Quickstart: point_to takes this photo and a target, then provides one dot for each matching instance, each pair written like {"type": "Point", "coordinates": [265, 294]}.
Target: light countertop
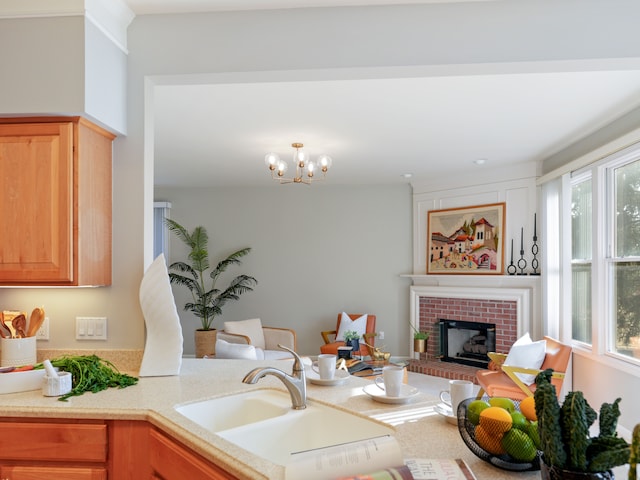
{"type": "Point", "coordinates": [420, 431]}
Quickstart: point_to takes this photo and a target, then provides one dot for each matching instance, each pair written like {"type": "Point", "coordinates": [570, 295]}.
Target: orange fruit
{"type": "Point", "coordinates": [491, 443]}
{"type": "Point", "coordinates": [528, 409]}
{"type": "Point", "coordinates": [495, 420]}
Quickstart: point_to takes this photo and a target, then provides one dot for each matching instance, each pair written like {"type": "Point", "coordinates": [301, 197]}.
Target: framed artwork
{"type": "Point", "coordinates": [466, 240]}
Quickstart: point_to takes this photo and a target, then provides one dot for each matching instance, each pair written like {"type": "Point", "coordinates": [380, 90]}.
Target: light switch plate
{"type": "Point", "coordinates": [91, 328]}
{"type": "Point", "coordinates": [43, 331]}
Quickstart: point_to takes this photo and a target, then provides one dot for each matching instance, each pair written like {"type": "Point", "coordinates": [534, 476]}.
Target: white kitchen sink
{"type": "Point", "coordinates": [223, 413]}
{"type": "Point", "coordinates": [263, 423]}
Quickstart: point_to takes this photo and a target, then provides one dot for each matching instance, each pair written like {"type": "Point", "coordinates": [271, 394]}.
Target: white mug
{"type": "Point", "coordinates": [325, 366]}
{"type": "Point", "coordinates": [459, 390]}
{"type": "Point", "coordinates": [391, 380]}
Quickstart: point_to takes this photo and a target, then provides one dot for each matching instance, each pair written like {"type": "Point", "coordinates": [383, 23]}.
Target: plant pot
{"type": "Point", "coordinates": [555, 473]}
{"type": "Point", "coordinates": [419, 345]}
{"type": "Point", "coordinates": [355, 346]}
{"type": "Point", "coordinates": [205, 341]}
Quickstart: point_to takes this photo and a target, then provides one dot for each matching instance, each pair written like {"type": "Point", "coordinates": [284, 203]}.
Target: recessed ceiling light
{"type": "Point", "coordinates": [480, 161]}
{"type": "Point", "coordinates": [407, 175]}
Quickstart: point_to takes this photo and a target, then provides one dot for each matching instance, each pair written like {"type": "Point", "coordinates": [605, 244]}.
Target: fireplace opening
{"type": "Point", "coordinates": [466, 342]}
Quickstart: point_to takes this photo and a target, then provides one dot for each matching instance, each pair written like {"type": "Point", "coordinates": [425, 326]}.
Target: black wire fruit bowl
{"type": "Point", "coordinates": [509, 446]}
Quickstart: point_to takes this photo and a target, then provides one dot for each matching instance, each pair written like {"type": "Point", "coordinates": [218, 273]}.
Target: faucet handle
{"type": "Point", "coordinates": [298, 366]}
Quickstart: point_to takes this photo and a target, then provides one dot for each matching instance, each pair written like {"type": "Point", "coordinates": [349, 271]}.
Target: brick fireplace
{"type": "Point", "coordinates": [510, 309]}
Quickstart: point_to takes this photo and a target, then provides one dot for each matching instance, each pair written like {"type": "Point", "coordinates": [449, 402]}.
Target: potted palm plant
{"type": "Point", "coordinates": [207, 299]}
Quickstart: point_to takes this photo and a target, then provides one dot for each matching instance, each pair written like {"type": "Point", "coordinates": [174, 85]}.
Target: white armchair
{"type": "Point", "coordinates": [237, 338]}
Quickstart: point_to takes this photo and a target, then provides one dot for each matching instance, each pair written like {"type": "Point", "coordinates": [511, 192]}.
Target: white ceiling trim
{"type": "Point", "coordinates": [142, 7]}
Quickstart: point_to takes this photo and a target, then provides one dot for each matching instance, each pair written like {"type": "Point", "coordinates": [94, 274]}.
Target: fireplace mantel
{"type": "Point", "coordinates": [518, 281]}
{"type": "Point", "coordinates": [523, 290]}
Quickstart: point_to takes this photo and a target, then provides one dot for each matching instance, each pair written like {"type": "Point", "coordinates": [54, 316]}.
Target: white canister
{"type": "Point", "coordinates": [18, 351]}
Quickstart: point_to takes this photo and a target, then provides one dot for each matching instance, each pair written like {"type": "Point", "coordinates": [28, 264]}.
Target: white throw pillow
{"type": "Point", "coordinates": [235, 350]}
{"type": "Point", "coordinates": [252, 328]}
{"type": "Point", "coordinates": [526, 354]}
{"type": "Point", "coordinates": [359, 325]}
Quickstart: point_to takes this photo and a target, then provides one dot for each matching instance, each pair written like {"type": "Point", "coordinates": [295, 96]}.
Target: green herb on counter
{"type": "Point", "coordinates": [90, 373]}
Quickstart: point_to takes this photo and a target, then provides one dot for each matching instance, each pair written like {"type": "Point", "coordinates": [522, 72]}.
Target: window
{"type": "Point", "coordinates": [625, 259]}
{"type": "Point", "coordinates": [605, 255]}
{"type": "Point", "coordinates": [581, 232]}
{"type": "Point", "coordinates": [161, 210]}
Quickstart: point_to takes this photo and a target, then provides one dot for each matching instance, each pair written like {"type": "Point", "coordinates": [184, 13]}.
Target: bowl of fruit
{"type": "Point", "coordinates": [501, 431]}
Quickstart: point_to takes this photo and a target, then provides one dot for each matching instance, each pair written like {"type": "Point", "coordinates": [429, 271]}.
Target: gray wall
{"type": "Point", "coordinates": [316, 251]}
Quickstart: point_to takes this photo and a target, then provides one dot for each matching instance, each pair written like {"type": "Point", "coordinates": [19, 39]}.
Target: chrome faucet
{"type": "Point", "coordinates": [296, 383]}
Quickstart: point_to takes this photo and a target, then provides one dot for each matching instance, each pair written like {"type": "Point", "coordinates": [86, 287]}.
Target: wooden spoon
{"type": "Point", "coordinates": [35, 321]}
{"type": "Point", "coordinates": [19, 324]}
{"type": "Point", "coordinates": [3, 326]}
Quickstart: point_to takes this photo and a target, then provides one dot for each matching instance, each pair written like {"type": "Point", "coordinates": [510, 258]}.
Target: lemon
{"type": "Point", "coordinates": [519, 445]}
{"type": "Point", "coordinates": [495, 420]}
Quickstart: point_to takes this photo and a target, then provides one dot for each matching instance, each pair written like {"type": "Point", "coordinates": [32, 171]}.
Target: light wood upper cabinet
{"type": "Point", "coordinates": [55, 202]}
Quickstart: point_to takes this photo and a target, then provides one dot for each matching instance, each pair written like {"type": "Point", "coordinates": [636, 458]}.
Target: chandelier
{"type": "Point", "coordinates": [305, 169]}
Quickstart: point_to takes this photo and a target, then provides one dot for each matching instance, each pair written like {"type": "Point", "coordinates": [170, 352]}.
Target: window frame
{"type": "Point", "coordinates": [603, 314]}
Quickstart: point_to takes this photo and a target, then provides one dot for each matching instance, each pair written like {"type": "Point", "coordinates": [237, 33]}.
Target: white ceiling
{"type": "Point", "coordinates": [376, 130]}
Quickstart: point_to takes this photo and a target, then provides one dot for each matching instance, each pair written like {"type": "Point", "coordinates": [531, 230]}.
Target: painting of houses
{"type": "Point", "coordinates": [467, 240]}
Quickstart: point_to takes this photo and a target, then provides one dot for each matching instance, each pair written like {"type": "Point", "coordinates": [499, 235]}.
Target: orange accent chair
{"type": "Point", "coordinates": [329, 336]}
{"type": "Point", "coordinates": [500, 380]}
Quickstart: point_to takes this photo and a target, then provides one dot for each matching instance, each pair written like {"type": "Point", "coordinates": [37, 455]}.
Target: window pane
{"type": "Point", "coordinates": [627, 307]}
{"type": "Point", "coordinates": [581, 214]}
{"type": "Point", "coordinates": [627, 218]}
{"type": "Point", "coordinates": [581, 303]}
{"type": "Point", "coordinates": [581, 230]}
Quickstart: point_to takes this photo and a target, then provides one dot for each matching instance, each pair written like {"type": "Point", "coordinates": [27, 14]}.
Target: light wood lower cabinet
{"type": "Point", "coordinates": [41, 450]}
{"type": "Point", "coordinates": [45, 449]}
{"type": "Point", "coordinates": [49, 473]}
{"type": "Point", "coordinates": [172, 461]}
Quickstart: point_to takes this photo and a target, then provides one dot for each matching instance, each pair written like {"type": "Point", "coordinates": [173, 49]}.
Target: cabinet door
{"type": "Point", "coordinates": [49, 473]}
{"type": "Point", "coordinates": [172, 461]}
{"type": "Point", "coordinates": [66, 441]}
{"type": "Point", "coordinates": [36, 202]}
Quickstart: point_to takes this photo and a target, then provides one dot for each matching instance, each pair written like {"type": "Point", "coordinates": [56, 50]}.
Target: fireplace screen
{"type": "Point", "coordinates": [466, 342]}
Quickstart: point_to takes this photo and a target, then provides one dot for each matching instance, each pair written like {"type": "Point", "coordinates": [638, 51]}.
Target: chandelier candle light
{"type": "Point", "coordinates": [305, 168]}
